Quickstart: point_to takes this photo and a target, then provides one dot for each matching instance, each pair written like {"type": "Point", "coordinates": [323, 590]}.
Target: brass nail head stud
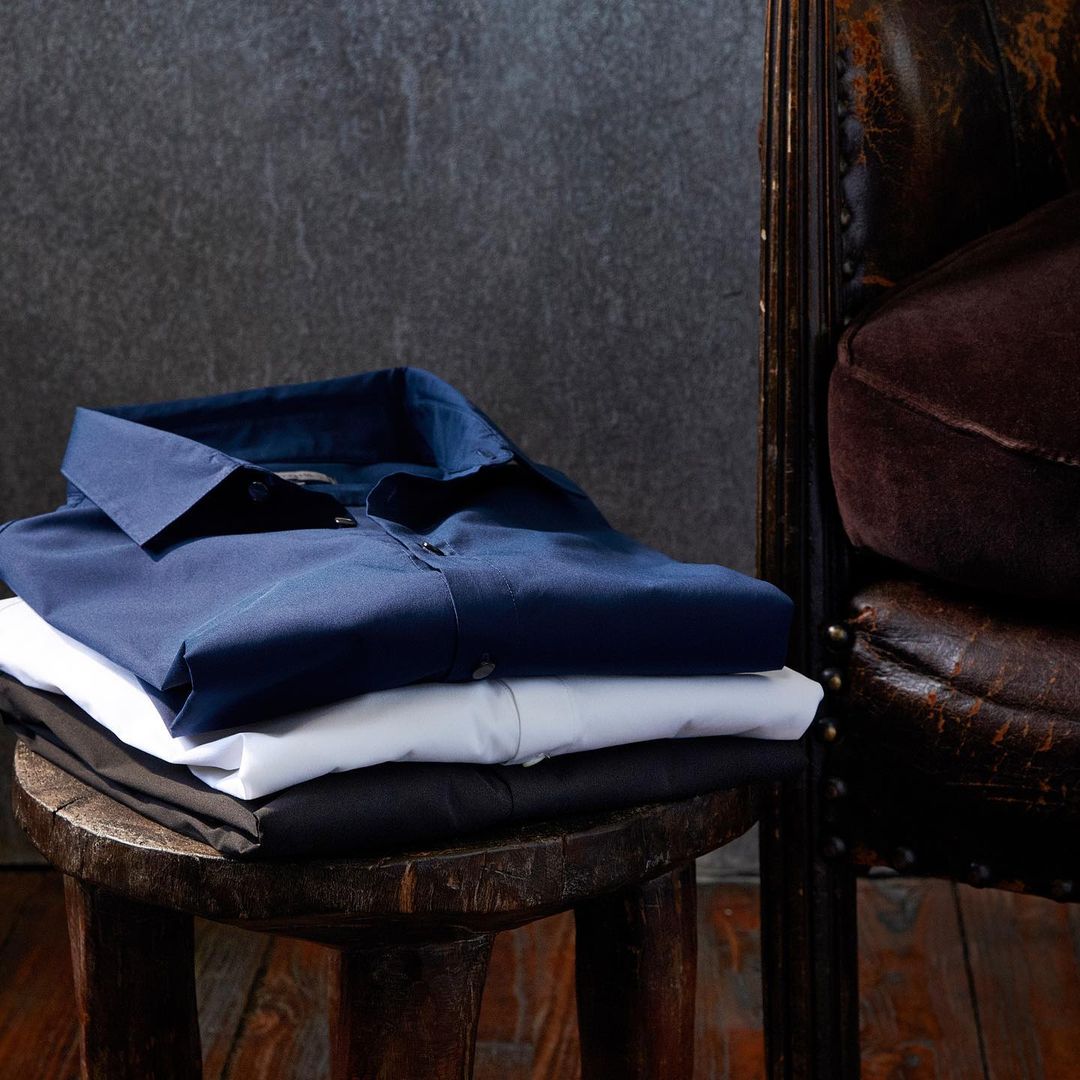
{"type": "Point", "coordinates": [903, 858]}
{"type": "Point", "coordinates": [832, 679]}
{"type": "Point", "coordinates": [834, 788]}
{"type": "Point", "coordinates": [833, 847]}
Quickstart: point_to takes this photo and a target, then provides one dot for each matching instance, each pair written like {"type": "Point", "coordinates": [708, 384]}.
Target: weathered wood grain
{"type": "Point", "coordinates": [485, 884]}
{"type": "Point", "coordinates": [811, 1003]}
{"type": "Point", "coordinates": [229, 965]}
{"type": "Point", "coordinates": [284, 1031]}
{"type": "Point", "coordinates": [15, 849]}
{"type": "Point", "coordinates": [1024, 955]}
{"type": "Point", "coordinates": [134, 969]}
{"type": "Point", "coordinates": [918, 1015]}
{"type": "Point", "coordinates": [527, 1019]}
{"type": "Point", "coordinates": [38, 1038]}
{"type": "Point", "coordinates": [412, 932]}
{"type": "Point", "coordinates": [408, 1010]}
{"type": "Point", "coordinates": [636, 980]}
{"type": "Point", "coordinates": [728, 1043]}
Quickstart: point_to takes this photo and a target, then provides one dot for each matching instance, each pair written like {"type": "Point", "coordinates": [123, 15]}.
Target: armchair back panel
{"type": "Point", "coordinates": [955, 117]}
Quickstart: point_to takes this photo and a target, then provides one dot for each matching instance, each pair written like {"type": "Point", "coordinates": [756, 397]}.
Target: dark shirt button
{"type": "Point", "coordinates": [484, 668]}
{"type": "Point", "coordinates": [258, 491]}
{"type": "Point", "coordinates": [345, 522]}
{"type": "Point", "coordinates": [432, 548]}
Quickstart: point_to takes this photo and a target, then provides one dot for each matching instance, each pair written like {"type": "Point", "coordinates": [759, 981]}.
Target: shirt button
{"type": "Point", "coordinates": [484, 668]}
{"type": "Point", "coordinates": [432, 548]}
{"type": "Point", "coordinates": [344, 521]}
{"type": "Point", "coordinates": [258, 491]}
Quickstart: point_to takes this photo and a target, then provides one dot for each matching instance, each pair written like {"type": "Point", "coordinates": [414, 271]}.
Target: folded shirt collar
{"type": "Point", "coordinates": [147, 465]}
{"type": "Point", "coordinates": [143, 478]}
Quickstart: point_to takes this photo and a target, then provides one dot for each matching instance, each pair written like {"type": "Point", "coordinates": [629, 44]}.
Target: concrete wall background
{"type": "Point", "coordinates": [550, 203]}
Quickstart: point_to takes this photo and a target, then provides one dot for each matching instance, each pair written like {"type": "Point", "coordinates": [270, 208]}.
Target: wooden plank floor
{"type": "Point", "coordinates": [956, 984]}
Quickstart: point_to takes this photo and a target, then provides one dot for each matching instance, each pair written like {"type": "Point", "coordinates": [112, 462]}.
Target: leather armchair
{"type": "Point", "coordinates": [896, 131]}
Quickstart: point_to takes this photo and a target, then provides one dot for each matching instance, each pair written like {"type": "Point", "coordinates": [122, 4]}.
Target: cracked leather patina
{"type": "Point", "coordinates": [954, 118]}
{"type": "Point", "coordinates": [965, 724]}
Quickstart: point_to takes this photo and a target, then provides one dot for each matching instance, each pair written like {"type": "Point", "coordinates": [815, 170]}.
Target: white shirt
{"type": "Point", "coordinates": [496, 721]}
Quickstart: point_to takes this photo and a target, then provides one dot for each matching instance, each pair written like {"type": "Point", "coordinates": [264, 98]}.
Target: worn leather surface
{"type": "Point", "coordinates": [964, 729]}
{"type": "Point", "coordinates": [959, 751]}
{"type": "Point", "coordinates": [953, 435]}
{"type": "Point", "coordinates": [955, 117]}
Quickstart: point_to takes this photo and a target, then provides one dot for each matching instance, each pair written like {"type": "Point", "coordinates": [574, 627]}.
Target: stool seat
{"type": "Point", "coordinates": [412, 929]}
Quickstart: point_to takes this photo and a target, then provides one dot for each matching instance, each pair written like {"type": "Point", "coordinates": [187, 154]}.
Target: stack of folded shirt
{"type": "Point", "coordinates": [326, 618]}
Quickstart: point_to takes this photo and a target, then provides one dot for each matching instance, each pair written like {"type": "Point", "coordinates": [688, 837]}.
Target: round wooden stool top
{"type": "Point", "coordinates": [412, 930]}
{"type": "Point", "coordinates": [486, 883]}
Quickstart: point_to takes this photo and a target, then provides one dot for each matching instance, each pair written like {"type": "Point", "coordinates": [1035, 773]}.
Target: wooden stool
{"type": "Point", "coordinates": [412, 931]}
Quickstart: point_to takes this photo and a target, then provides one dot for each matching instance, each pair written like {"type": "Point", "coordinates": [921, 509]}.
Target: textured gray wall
{"type": "Point", "coordinates": [551, 203]}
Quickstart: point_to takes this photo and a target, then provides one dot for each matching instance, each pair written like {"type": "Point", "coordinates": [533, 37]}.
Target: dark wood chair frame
{"type": "Point", "coordinates": [808, 899]}
{"type": "Point", "coordinates": [809, 861]}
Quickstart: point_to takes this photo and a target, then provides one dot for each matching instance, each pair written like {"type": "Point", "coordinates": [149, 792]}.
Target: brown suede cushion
{"type": "Point", "coordinates": [954, 414]}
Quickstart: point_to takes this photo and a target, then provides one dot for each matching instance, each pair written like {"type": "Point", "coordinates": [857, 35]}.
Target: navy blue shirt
{"type": "Point", "coordinates": [257, 553]}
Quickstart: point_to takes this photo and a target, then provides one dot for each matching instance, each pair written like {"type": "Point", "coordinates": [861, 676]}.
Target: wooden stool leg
{"type": "Point", "coordinates": [408, 1011]}
{"type": "Point", "coordinates": [134, 971]}
{"type": "Point", "coordinates": [636, 973]}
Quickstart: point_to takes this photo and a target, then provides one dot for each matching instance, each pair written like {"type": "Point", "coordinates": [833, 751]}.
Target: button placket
{"type": "Point", "coordinates": [484, 608]}
{"type": "Point", "coordinates": [487, 627]}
